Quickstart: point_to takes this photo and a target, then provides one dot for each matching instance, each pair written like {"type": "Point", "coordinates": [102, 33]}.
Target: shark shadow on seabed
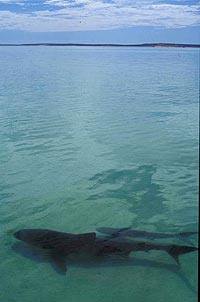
{"type": "Point", "coordinates": [41, 256]}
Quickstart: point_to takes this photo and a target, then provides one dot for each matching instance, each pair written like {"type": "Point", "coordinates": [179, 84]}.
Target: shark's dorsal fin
{"type": "Point", "coordinates": [119, 232]}
{"type": "Point", "coordinates": [87, 236]}
{"type": "Point", "coordinates": [113, 232]}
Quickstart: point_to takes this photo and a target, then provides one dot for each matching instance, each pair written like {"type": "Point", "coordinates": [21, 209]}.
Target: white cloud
{"type": "Point", "coordinates": [12, 1]}
{"type": "Point", "coordinates": [80, 15]}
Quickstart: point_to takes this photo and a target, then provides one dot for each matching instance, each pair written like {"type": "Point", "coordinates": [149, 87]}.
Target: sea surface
{"type": "Point", "coordinates": [98, 137]}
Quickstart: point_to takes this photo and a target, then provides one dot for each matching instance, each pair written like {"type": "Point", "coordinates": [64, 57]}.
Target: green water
{"type": "Point", "coordinates": [95, 137]}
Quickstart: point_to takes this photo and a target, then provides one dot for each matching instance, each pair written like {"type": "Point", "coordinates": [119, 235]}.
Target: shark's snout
{"type": "Point", "coordinates": [17, 235]}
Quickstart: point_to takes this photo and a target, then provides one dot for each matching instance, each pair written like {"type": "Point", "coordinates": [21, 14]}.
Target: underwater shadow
{"type": "Point", "coordinates": [41, 256]}
{"type": "Point", "coordinates": [134, 186]}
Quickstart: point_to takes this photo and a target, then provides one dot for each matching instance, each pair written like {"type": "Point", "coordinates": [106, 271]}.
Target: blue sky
{"type": "Point", "coordinates": [100, 21]}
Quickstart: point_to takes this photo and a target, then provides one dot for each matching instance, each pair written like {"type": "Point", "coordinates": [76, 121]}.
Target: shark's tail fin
{"type": "Point", "coordinates": [176, 250]}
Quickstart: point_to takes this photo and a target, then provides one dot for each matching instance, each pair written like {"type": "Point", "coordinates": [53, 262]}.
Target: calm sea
{"type": "Point", "coordinates": [98, 137]}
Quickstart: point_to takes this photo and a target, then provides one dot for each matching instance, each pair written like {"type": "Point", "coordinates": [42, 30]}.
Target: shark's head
{"type": "Point", "coordinates": [48, 239]}
{"type": "Point", "coordinates": [35, 237]}
{"type": "Point", "coordinates": [17, 235]}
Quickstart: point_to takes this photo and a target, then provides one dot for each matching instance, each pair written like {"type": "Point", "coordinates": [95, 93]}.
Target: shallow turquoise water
{"type": "Point", "coordinates": [93, 137]}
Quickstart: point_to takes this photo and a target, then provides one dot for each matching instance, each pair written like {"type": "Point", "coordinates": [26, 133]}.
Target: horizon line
{"type": "Point", "coordinates": [105, 44]}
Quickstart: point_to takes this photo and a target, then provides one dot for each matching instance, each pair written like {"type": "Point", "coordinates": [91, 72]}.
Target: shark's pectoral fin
{"type": "Point", "coordinates": [59, 263]}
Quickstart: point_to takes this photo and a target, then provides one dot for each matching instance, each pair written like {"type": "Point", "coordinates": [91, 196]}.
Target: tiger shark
{"type": "Point", "coordinates": [61, 245]}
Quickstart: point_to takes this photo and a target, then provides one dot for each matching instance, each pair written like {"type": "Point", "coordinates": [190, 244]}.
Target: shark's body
{"type": "Point", "coordinates": [128, 232]}
{"type": "Point", "coordinates": [65, 243]}
{"type": "Point", "coordinates": [60, 245]}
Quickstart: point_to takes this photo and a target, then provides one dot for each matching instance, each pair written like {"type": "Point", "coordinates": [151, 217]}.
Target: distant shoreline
{"type": "Point", "coordinates": [105, 45]}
